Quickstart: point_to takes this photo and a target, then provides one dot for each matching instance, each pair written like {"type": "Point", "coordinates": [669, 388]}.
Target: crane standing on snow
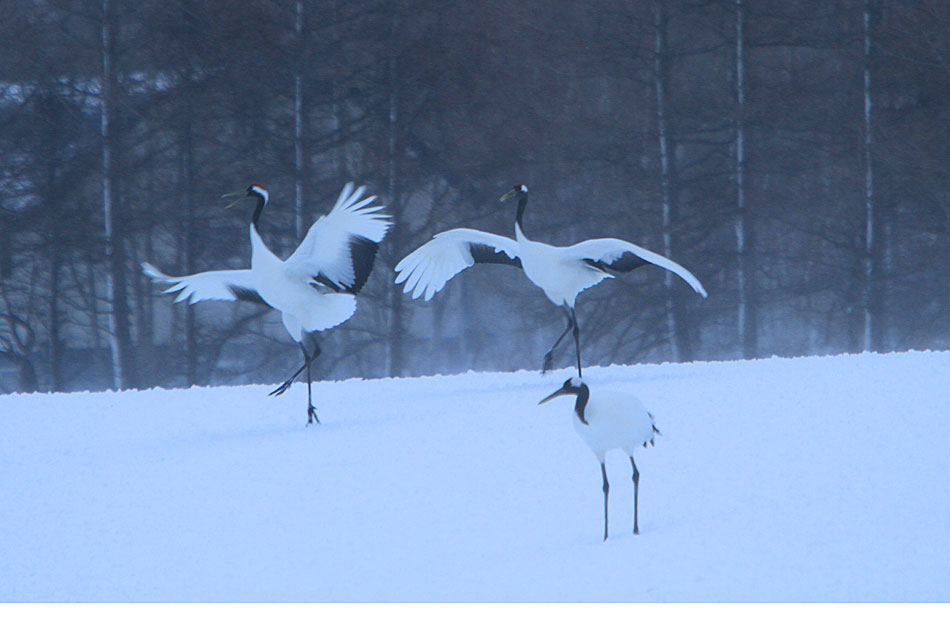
{"type": "Point", "coordinates": [561, 272]}
{"type": "Point", "coordinates": [610, 420]}
{"type": "Point", "coordinates": [314, 289]}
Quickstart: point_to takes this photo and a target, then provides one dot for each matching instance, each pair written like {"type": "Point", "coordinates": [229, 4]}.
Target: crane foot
{"type": "Point", "coordinates": [312, 415]}
{"type": "Point", "coordinates": [281, 389]}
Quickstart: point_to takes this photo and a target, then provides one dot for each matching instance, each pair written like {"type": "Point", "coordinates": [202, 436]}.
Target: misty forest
{"type": "Point", "coordinates": [793, 154]}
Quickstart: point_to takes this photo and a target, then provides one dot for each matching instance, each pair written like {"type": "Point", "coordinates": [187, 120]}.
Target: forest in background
{"type": "Point", "coordinates": [792, 154]}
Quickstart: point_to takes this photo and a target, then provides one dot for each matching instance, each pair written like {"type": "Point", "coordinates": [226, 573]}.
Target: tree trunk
{"type": "Point", "coordinates": [337, 111]}
{"type": "Point", "coordinates": [16, 344]}
{"type": "Point", "coordinates": [55, 336]}
{"type": "Point", "coordinates": [300, 177]}
{"type": "Point", "coordinates": [397, 328]}
{"type": "Point", "coordinates": [54, 248]}
{"type": "Point", "coordinates": [119, 330]}
{"type": "Point", "coordinates": [144, 318]}
{"type": "Point", "coordinates": [868, 294]}
{"type": "Point", "coordinates": [676, 330]}
{"type": "Point", "coordinates": [186, 188]}
{"type": "Point", "coordinates": [747, 317]}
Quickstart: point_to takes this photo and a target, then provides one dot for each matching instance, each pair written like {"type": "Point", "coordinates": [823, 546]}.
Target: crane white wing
{"type": "Point", "coordinates": [429, 267]}
{"type": "Point", "coordinates": [222, 285]}
{"type": "Point", "coordinates": [340, 247]}
{"type": "Point", "coordinates": [613, 255]}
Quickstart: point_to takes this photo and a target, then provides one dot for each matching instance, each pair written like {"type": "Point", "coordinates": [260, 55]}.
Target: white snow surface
{"type": "Point", "coordinates": [810, 479]}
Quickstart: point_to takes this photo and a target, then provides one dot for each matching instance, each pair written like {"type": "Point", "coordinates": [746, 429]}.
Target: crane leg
{"type": "Point", "coordinates": [311, 411]}
{"type": "Point", "coordinates": [308, 357]}
{"type": "Point", "coordinates": [603, 471]}
{"type": "Point", "coordinates": [286, 384]}
{"type": "Point", "coordinates": [549, 355]}
{"type": "Point", "coordinates": [577, 342]}
{"type": "Point", "coordinates": [636, 493]}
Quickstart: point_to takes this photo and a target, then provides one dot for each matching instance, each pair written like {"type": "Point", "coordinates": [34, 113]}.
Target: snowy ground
{"type": "Point", "coordinates": [815, 479]}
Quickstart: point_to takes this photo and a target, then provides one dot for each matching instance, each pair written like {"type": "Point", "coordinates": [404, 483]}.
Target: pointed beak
{"type": "Point", "coordinates": [559, 392]}
{"type": "Point", "coordinates": [510, 194]}
{"type": "Point", "coordinates": [234, 194]}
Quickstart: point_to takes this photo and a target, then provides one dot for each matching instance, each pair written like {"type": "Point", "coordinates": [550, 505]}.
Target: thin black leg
{"type": "Point", "coordinates": [603, 471]}
{"type": "Point", "coordinates": [577, 342]}
{"type": "Point", "coordinates": [286, 384]}
{"type": "Point", "coordinates": [308, 358]}
{"type": "Point", "coordinates": [549, 356]}
{"type": "Point", "coordinates": [311, 410]}
{"type": "Point", "coordinates": [636, 494]}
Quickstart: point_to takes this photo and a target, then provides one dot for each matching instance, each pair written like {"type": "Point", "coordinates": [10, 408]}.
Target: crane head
{"type": "Point", "coordinates": [254, 191]}
{"type": "Point", "coordinates": [257, 190]}
{"type": "Point", "coordinates": [571, 387]}
{"type": "Point", "coordinates": [518, 190]}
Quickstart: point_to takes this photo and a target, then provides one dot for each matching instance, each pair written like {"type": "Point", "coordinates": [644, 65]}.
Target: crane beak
{"type": "Point", "coordinates": [233, 194]}
{"type": "Point", "coordinates": [559, 392]}
{"type": "Point", "coordinates": [510, 194]}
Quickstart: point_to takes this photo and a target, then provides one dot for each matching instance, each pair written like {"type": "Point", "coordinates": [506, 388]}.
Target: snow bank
{"type": "Point", "coordinates": [806, 479]}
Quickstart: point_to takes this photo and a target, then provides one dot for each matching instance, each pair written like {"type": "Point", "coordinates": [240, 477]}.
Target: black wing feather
{"type": "Point", "coordinates": [484, 254]}
{"type": "Point", "coordinates": [624, 264]}
{"type": "Point", "coordinates": [325, 281]}
{"type": "Point", "coordinates": [246, 294]}
{"type": "Point", "coordinates": [362, 257]}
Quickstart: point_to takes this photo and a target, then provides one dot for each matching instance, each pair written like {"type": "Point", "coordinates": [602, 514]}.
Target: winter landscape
{"type": "Point", "coordinates": [739, 214]}
{"type": "Point", "coordinates": [810, 479]}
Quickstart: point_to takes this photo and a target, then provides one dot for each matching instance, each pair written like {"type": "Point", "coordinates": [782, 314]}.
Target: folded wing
{"type": "Point", "coordinates": [613, 255]}
{"type": "Point", "coordinates": [339, 249]}
{"type": "Point", "coordinates": [429, 267]}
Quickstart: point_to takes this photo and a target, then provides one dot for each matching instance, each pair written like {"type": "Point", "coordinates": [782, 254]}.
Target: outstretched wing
{"type": "Point", "coordinates": [223, 285]}
{"type": "Point", "coordinates": [340, 247]}
{"type": "Point", "coordinates": [429, 267]}
{"type": "Point", "coordinates": [612, 255]}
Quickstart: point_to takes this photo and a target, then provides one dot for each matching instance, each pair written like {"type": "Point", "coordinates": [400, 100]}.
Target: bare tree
{"type": "Point", "coordinates": [119, 331]}
{"type": "Point", "coordinates": [870, 282]}
{"type": "Point", "coordinates": [17, 339]}
{"type": "Point", "coordinates": [680, 348]}
{"type": "Point", "coordinates": [815, 228]}
{"type": "Point", "coordinates": [747, 317]}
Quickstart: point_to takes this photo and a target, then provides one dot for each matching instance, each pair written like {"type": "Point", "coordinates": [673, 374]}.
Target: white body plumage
{"type": "Point", "coordinates": [315, 288]}
{"type": "Point", "coordinates": [607, 420]}
{"type": "Point", "coordinates": [614, 420]}
{"type": "Point", "coordinates": [562, 272]}
{"type": "Point", "coordinates": [303, 305]}
{"type": "Point", "coordinates": [556, 270]}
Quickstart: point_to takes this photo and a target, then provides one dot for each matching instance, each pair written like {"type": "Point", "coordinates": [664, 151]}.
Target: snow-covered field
{"type": "Point", "coordinates": [813, 479]}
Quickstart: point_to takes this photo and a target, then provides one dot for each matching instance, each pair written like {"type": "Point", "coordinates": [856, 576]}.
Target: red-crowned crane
{"type": "Point", "coordinates": [314, 289]}
{"type": "Point", "coordinates": [607, 420]}
{"type": "Point", "coordinates": [562, 272]}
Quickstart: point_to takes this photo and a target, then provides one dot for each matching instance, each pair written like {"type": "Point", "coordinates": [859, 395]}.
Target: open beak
{"type": "Point", "coordinates": [510, 194]}
{"type": "Point", "coordinates": [233, 194]}
{"type": "Point", "coordinates": [559, 392]}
